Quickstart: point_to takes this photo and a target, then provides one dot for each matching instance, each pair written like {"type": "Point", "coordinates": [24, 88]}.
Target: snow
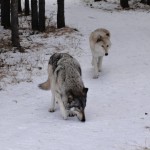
{"type": "Point", "coordinates": [118, 102]}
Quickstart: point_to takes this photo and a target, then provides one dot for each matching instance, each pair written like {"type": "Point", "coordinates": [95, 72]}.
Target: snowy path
{"type": "Point", "coordinates": [118, 105]}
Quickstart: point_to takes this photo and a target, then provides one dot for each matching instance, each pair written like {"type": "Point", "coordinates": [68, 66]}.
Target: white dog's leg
{"type": "Point", "coordinates": [61, 105]}
{"type": "Point", "coordinates": [95, 63]}
{"type": "Point", "coordinates": [100, 59]}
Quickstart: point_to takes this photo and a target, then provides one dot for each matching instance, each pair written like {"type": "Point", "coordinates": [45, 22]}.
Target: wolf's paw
{"type": "Point", "coordinates": [65, 117]}
{"type": "Point", "coordinates": [71, 114]}
{"type": "Point", "coordinates": [51, 110]}
{"type": "Point", "coordinates": [95, 76]}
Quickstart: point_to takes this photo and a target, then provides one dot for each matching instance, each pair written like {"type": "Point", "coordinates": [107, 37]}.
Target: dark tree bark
{"type": "Point", "coordinates": [148, 2]}
{"type": "Point", "coordinates": [41, 15]}
{"type": "Point", "coordinates": [2, 12]}
{"type": "Point", "coordinates": [60, 14]}
{"type": "Point", "coordinates": [34, 15]}
{"type": "Point", "coordinates": [124, 4]}
{"type": "Point", "coordinates": [5, 13]}
{"type": "Point", "coordinates": [97, 0]}
{"type": "Point", "coordinates": [19, 7]}
{"type": "Point", "coordinates": [7, 23]}
{"type": "Point", "coordinates": [143, 1]}
{"type": "Point", "coordinates": [27, 9]}
{"type": "Point", "coordinates": [14, 24]}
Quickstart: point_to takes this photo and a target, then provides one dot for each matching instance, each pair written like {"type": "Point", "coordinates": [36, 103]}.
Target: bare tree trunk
{"type": "Point", "coordinates": [60, 14]}
{"type": "Point", "coordinates": [143, 1]}
{"type": "Point", "coordinates": [124, 4]}
{"type": "Point", "coordinates": [2, 12]}
{"type": "Point", "coordinates": [19, 7]}
{"type": "Point", "coordinates": [14, 24]}
{"type": "Point", "coordinates": [34, 9]}
{"type": "Point", "coordinates": [148, 2]}
{"type": "Point", "coordinates": [41, 15]}
{"type": "Point", "coordinates": [5, 13]}
{"type": "Point", "coordinates": [27, 9]}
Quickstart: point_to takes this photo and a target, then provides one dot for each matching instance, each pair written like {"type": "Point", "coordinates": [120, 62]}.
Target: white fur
{"type": "Point", "coordinates": [99, 48]}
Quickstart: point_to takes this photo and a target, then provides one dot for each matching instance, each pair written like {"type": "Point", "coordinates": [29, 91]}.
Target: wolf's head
{"type": "Point", "coordinates": [102, 45]}
{"type": "Point", "coordinates": [77, 103]}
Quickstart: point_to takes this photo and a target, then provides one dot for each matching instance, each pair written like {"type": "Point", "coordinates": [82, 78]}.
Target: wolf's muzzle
{"type": "Point", "coordinates": [83, 119]}
{"type": "Point", "coordinates": [106, 54]}
{"type": "Point", "coordinates": [81, 116]}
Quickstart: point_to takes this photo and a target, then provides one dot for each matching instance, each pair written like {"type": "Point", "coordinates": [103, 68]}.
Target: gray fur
{"type": "Point", "coordinates": [66, 85]}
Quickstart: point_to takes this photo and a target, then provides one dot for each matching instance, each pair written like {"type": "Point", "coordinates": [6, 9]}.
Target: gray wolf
{"type": "Point", "coordinates": [65, 82]}
{"type": "Point", "coordinates": [99, 43]}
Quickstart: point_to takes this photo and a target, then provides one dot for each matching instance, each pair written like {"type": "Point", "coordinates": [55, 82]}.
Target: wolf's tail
{"type": "Point", "coordinates": [45, 85]}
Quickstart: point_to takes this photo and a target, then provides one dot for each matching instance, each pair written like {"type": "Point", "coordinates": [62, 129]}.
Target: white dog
{"type": "Point", "coordinates": [99, 43]}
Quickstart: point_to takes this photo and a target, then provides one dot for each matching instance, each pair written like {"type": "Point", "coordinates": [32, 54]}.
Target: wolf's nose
{"type": "Point", "coordinates": [106, 54]}
{"type": "Point", "coordinates": [83, 119]}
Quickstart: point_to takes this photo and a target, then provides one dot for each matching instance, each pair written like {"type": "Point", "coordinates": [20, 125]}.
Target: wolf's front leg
{"type": "Point", "coordinates": [95, 63]}
{"type": "Point", "coordinates": [100, 59]}
{"type": "Point", "coordinates": [61, 105]}
{"type": "Point", "coordinates": [52, 105]}
{"type": "Point", "coordinates": [92, 61]}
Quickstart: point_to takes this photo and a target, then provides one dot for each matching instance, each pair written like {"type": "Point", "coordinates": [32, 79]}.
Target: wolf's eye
{"type": "Point", "coordinates": [107, 45]}
{"type": "Point", "coordinates": [107, 34]}
{"type": "Point", "coordinates": [102, 45]}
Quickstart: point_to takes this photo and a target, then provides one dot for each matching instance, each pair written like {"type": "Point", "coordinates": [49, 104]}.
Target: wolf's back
{"type": "Point", "coordinates": [56, 64]}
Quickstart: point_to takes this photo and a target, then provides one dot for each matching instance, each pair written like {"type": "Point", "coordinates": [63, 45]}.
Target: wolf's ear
{"type": "Point", "coordinates": [85, 90]}
{"type": "Point", "coordinates": [99, 38]}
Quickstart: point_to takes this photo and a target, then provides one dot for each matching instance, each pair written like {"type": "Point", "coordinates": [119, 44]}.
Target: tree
{"type": "Point", "coordinates": [124, 4]}
{"type": "Point", "coordinates": [41, 15]}
{"type": "Point", "coordinates": [60, 14]}
{"type": "Point", "coordinates": [14, 24]}
{"type": "Point", "coordinates": [27, 10]}
{"type": "Point", "coordinates": [34, 14]}
{"type": "Point", "coordinates": [145, 2]}
{"type": "Point", "coordinates": [2, 12]}
{"type": "Point", "coordinates": [148, 2]}
{"type": "Point", "coordinates": [5, 13]}
{"type": "Point", "coordinates": [19, 7]}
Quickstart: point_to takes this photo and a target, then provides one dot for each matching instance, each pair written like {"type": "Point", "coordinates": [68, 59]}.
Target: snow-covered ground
{"type": "Point", "coordinates": [118, 103]}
